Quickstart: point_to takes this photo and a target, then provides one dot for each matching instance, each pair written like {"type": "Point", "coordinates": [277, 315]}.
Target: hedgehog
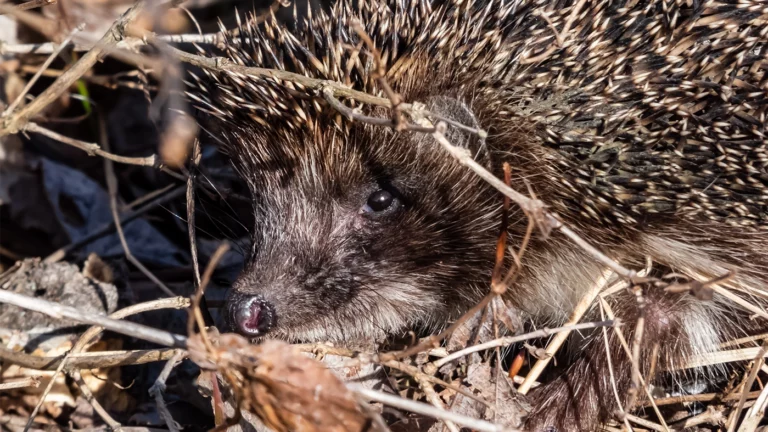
{"type": "Point", "coordinates": [640, 123]}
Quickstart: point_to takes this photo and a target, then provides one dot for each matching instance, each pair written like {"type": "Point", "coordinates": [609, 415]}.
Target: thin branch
{"type": "Point", "coordinates": [645, 423]}
{"type": "Point", "coordinates": [636, 367]}
{"type": "Point", "coordinates": [581, 308]}
{"type": "Point", "coordinates": [15, 122]}
{"type": "Point", "coordinates": [712, 416]}
{"type": "Point", "coordinates": [88, 395]}
{"type": "Point", "coordinates": [109, 173]}
{"type": "Point", "coordinates": [90, 148]}
{"type": "Point", "coordinates": [612, 374]}
{"type": "Point", "coordinates": [509, 340]}
{"type": "Point", "coordinates": [41, 69]}
{"type": "Point", "coordinates": [434, 399]}
{"type": "Point", "coordinates": [158, 388]}
{"type": "Point", "coordinates": [87, 360]}
{"type": "Point", "coordinates": [222, 64]}
{"type": "Point", "coordinates": [127, 328]}
{"type": "Point", "coordinates": [427, 410]}
{"type": "Point", "coordinates": [195, 315]}
{"type": "Point", "coordinates": [757, 363]}
{"type": "Point", "coordinates": [637, 341]}
{"type": "Point", "coordinates": [191, 178]}
{"type": "Point", "coordinates": [33, 381]}
{"type": "Point", "coordinates": [34, 4]}
{"type": "Point", "coordinates": [45, 394]}
{"type": "Point", "coordinates": [704, 397]}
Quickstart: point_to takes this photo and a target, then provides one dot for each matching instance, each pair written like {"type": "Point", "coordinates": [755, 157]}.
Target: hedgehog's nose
{"type": "Point", "coordinates": [252, 316]}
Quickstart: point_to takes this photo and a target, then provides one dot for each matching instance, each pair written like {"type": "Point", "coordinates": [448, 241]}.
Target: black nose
{"type": "Point", "coordinates": [251, 315]}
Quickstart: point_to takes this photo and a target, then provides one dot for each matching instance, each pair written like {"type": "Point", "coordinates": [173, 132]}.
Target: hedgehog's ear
{"type": "Point", "coordinates": [454, 109]}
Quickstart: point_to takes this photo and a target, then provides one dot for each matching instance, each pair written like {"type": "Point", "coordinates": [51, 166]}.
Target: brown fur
{"type": "Point", "coordinates": [644, 132]}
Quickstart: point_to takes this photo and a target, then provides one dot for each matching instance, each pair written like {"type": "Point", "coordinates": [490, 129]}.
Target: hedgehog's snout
{"type": "Point", "coordinates": [251, 316]}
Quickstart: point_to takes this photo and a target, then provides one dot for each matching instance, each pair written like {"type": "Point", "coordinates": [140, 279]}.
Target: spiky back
{"type": "Point", "coordinates": [644, 107]}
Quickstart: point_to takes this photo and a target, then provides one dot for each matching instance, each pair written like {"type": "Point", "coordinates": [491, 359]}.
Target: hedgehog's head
{"type": "Point", "coordinates": [360, 232]}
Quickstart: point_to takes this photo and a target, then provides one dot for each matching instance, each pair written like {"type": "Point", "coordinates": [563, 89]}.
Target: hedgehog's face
{"type": "Point", "coordinates": [362, 235]}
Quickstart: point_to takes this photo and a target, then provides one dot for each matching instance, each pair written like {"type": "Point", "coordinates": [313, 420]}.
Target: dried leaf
{"type": "Point", "coordinates": [286, 389]}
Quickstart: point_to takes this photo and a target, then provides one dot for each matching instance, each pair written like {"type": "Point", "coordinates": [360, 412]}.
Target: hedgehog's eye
{"type": "Point", "coordinates": [380, 202]}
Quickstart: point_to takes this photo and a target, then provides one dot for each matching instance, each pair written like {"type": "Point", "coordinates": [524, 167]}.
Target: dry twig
{"type": "Point", "coordinates": [33, 381]}
{"type": "Point", "coordinates": [15, 122]}
{"type": "Point", "coordinates": [109, 172]}
{"type": "Point", "coordinates": [158, 388]}
{"type": "Point", "coordinates": [428, 410]}
{"type": "Point", "coordinates": [40, 70]}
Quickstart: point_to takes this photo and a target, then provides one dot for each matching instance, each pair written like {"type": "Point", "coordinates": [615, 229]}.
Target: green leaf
{"type": "Point", "coordinates": [82, 89]}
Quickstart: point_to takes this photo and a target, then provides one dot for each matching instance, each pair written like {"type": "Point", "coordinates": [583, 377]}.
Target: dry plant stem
{"type": "Point", "coordinates": [34, 4]}
{"type": "Point", "coordinates": [612, 374]}
{"type": "Point", "coordinates": [91, 148]}
{"type": "Point", "coordinates": [87, 360]}
{"type": "Point", "coordinates": [40, 71]}
{"type": "Point", "coordinates": [58, 311]}
{"type": "Point", "coordinates": [581, 308]}
{"type": "Point", "coordinates": [149, 196]}
{"type": "Point", "coordinates": [191, 177]}
{"type": "Point", "coordinates": [167, 303]}
{"type": "Point", "coordinates": [636, 345]}
{"type": "Point", "coordinates": [374, 415]}
{"type": "Point", "coordinates": [320, 349]}
{"type": "Point", "coordinates": [78, 347]}
{"type": "Point", "coordinates": [758, 362]}
{"type": "Point", "coordinates": [107, 228]}
{"type": "Point", "coordinates": [223, 64]}
{"type": "Point", "coordinates": [127, 328]}
{"type": "Point", "coordinates": [158, 388]}
{"type": "Point", "coordinates": [501, 246]}
{"type": "Point", "coordinates": [124, 49]}
{"type": "Point", "coordinates": [45, 393]}
{"type": "Point", "coordinates": [725, 292]}
{"type": "Point", "coordinates": [10, 421]}
{"type": "Point", "coordinates": [755, 414]}
{"type": "Point", "coordinates": [33, 381]}
{"type": "Point", "coordinates": [744, 340]}
{"type": "Point", "coordinates": [644, 423]}
{"type": "Point", "coordinates": [427, 410]}
{"type": "Point", "coordinates": [419, 376]}
{"type": "Point", "coordinates": [599, 256]}
{"type": "Point", "coordinates": [109, 172]}
{"type": "Point", "coordinates": [704, 397]}
{"type": "Point", "coordinates": [432, 341]}
{"type": "Point", "coordinates": [351, 114]}
{"type": "Point", "coordinates": [129, 42]}
{"type": "Point", "coordinates": [635, 366]}
{"type": "Point", "coordinates": [720, 357]}
{"type": "Point", "coordinates": [14, 123]}
{"type": "Point", "coordinates": [45, 48]}
{"type": "Point", "coordinates": [380, 76]}
{"type": "Point", "coordinates": [464, 157]}
{"type": "Point", "coordinates": [509, 340]}
{"type": "Point", "coordinates": [434, 399]}
{"type": "Point", "coordinates": [110, 81]}
{"type": "Point", "coordinates": [9, 254]}
{"type": "Point", "coordinates": [88, 395]}
{"type": "Point", "coordinates": [712, 416]}
{"type": "Point", "coordinates": [10, 272]}
{"type": "Point", "coordinates": [195, 313]}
